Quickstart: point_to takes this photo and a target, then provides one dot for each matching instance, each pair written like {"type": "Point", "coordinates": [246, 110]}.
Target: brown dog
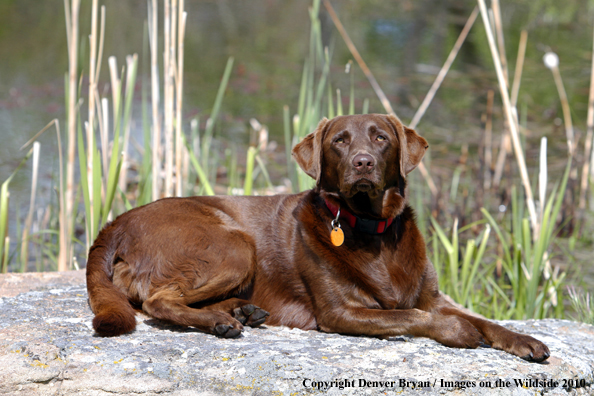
{"type": "Point", "coordinates": [218, 263]}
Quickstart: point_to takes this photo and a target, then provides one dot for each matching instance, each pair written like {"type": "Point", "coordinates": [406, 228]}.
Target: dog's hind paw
{"type": "Point", "coordinates": [227, 331]}
{"type": "Point", "coordinates": [250, 315]}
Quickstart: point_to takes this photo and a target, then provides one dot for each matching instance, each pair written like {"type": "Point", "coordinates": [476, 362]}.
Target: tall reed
{"type": "Point", "coordinates": [72, 16]}
{"type": "Point", "coordinates": [29, 220]}
{"type": "Point", "coordinates": [587, 167]}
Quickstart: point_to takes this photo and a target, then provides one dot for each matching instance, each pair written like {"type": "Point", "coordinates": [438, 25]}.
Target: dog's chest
{"type": "Point", "coordinates": [393, 283]}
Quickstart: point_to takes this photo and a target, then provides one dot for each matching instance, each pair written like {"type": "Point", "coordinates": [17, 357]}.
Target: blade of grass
{"type": "Point", "coordinates": [469, 282]}
{"type": "Point", "coordinates": [365, 106]}
{"type": "Point", "coordinates": [262, 167]}
{"type": "Point", "coordinates": [210, 123]}
{"type": "Point", "coordinates": [249, 170]}
{"type": "Point", "coordinates": [339, 111]}
{"type": "Point", "coordinates": [199, 171]}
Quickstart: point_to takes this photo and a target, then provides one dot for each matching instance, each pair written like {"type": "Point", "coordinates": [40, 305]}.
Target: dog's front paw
{"type": "Point", "coordinates": [250, 315]}
{"type": "Point", "coordinates": [526, 347]}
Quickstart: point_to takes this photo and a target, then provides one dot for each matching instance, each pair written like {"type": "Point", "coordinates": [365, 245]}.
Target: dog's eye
{"type": "Point", "coordinates": [380, 138]}
{"type": "Point", "coordinates": [339, 140]}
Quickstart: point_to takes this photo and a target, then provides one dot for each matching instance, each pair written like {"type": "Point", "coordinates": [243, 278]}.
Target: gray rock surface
{"type": "Point", "coordinates": [47, 347]}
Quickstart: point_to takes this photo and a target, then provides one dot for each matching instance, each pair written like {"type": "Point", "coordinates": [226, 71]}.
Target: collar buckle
{"type": "Point", "coordinates": [368, 226]}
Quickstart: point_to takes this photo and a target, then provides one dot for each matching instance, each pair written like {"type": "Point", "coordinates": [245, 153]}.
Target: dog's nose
{"type": "Point", "coordinates": [363, 162]}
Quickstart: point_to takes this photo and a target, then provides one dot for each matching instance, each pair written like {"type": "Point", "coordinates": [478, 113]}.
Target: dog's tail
{"type": "Point", "coordinates": [113, 313]}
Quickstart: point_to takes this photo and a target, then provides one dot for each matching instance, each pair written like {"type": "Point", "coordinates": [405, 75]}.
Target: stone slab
{"type": "Point", "coordinates": [47, 347]}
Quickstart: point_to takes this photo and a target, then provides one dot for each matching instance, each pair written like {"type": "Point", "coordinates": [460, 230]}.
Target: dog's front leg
{"type": "Point", "coordinates": [450, 330]}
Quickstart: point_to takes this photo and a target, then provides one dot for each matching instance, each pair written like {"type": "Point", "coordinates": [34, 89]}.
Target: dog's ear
{"type": "Point", "coordinates": [308, 152]}
{"type": "Point", "coordinates": [412, 146]}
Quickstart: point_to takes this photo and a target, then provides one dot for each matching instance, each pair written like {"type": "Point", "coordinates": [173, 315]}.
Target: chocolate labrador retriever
{"type": "Point", "coordinates": [345, 257]}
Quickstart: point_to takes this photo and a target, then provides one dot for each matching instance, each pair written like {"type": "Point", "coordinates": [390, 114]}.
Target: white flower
{"type": "Point", "coordinates": [551, 60]}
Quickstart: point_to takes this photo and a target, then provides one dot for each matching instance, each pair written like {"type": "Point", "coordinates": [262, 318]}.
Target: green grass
{"type": "Point", "coordinates": [458, 272]}
{"type": "Point", "coordinates": [535, 290]}
{"type": "Point", "coordinates": [4, 202]}
{"type": "Point", "coordinates": [583, 305]}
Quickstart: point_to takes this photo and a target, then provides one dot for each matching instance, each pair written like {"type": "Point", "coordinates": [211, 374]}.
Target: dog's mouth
{"type": "Point", "coordinates": [362, 185]}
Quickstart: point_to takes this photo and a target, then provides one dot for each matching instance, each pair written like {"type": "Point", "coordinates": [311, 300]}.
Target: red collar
{"type": "Point", "coordinates": [368, 226]}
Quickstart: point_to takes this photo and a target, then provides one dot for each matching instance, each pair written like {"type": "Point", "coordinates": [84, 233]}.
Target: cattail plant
{"type": "Point", "coordinates": [551, 61]}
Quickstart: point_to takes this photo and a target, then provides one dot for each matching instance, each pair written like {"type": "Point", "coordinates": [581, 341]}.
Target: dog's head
{"type": "Point", "coordinates": [360, 154]}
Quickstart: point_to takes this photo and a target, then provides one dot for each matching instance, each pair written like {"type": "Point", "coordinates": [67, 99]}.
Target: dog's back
{"type": "Point", "coordinates": [183, 244]}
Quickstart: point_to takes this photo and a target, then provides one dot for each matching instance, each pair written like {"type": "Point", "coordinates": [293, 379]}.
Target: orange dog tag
{"type": "Point", "coordinates": [337, 236]}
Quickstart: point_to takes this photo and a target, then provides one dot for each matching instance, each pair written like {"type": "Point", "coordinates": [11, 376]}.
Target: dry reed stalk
{"type": "Point", "coordinates": [153, 31]}
{"type": "Point", "coordinates": [444, 70]}
{"type": "Point", "coordinates": [587, 144]}
{"type": "Point", "coordinates": [432, 187]}
{"type": "Point", "coordinates": [116, 97]}
{"type": "Point", "coordinates": [101, 41]}
{"type": "Point", "coordinates": [378, 90]}
{"type": "Point", "coordinates": [489, 140]}
{"type": "Point", "coordinates": [511, 119]}
{"type": "Point", "coordinates": [68, 20]}
{"type": "Point", "coordinates": [542, 178]}
{"type": "Point", "coordinates": [130, 60]}
{"type": "Point", "coordinates": [374, 84]}
{"type": "Point", "coordinates": [185, 169]}
{"type": "Point", "coordinates": [505, 146]}
{"type": "Point", "coordinates": [172, 92]}
{"type": "Point", "coordinates": [551, 61]}
{"type": "Point", "coordinates": [519, 66]}
{"type": "Point", "coordinates": [104, 135]}
{"type": "Point", "coordinates": [116, 86]}
{"type": "Point", "coordinates": [168, 71]}
{"type": "Point", "coordinates": [504, 149]}
{"type": "Point", "coordinates": [72, 32]}
{"type": "Point", "coordinates": [179, 149]}
{"type": "Point", "coordinates": [29, 219]}
{"type": "Point", "coordinates": [90, 126]}
{"type": "Point", "coordinates": [500, 40]}
{"type": "Point", "coordinates": [592, 175]}
{"type": "Point", "coordinates": [492, 20]}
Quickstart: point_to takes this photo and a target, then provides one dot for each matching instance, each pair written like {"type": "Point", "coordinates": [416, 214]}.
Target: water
{"type": "Point", "coordinates": [404, 43]}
